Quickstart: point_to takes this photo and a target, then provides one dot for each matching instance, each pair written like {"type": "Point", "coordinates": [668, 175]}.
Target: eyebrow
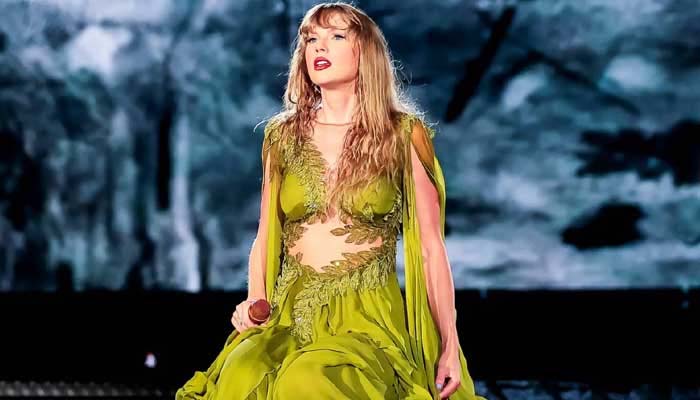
{"type": "Point", "coordinates": [313, 31]}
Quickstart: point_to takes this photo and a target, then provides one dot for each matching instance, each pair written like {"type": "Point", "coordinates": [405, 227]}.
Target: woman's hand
{"type": "Point", "coordinates": [449, 369]}
{"type": "Point", "coordinates": [240, 319]}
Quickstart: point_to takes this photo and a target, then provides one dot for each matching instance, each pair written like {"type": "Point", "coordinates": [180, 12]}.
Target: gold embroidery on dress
{"type": "Point", "coordinates": [284, 280]}
{"type": "Point", "coordinates": [375, 265]}
{"type": "Point", "coordinates": [361, 270]}
{"type": "Point", "coordinates": [309, 167]}
{"type": "Point", "coordinates": [292, 231]}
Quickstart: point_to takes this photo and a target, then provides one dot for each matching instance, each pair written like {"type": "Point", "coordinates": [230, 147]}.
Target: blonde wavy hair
{"type": "Point", "coordinates": [373, 143]}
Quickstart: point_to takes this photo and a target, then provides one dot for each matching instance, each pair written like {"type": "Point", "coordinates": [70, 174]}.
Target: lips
{"type": "Point", "coordinates": [321, 63]}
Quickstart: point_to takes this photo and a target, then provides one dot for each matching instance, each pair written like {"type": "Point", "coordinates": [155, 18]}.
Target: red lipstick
{"type": "Point", "coordinates": [321, 63]}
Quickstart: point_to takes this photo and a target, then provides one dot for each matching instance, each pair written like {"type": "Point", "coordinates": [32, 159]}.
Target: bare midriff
{"type": "Point", "coordinates": [337, 240]}
{"type": "Point", "coordinates": [318, 247]}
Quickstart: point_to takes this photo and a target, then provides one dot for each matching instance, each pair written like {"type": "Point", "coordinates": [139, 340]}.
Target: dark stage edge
{"type": "Point", "coordinates": [492, 390]}
{"type": "Point", "coordinates": [613, 341]}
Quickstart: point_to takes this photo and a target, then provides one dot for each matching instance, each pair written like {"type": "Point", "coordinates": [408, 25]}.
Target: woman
{"type": "Point", "coordinates": [347, 166]}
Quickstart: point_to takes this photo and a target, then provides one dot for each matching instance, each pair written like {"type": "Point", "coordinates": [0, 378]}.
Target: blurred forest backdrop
{"type": "Point", "coordinates": [569, 132]}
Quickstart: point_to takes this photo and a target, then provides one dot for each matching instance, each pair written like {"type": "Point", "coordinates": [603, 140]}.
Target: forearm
{"type": "Point", "coordinates": [256, 270]}
{"type": "Point", "coordinates": [441, 291]}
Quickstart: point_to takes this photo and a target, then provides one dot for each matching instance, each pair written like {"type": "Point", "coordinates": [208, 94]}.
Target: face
{"type": "Point", "coordinates": [332, 57]}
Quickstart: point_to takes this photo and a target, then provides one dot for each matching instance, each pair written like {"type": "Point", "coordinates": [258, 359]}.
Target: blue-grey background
{"type": "Point", "coordinates": [568, 131]}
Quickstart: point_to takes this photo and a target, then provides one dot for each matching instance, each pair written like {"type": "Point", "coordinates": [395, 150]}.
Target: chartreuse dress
{"type": "Point", "coordinates": [344, 333]}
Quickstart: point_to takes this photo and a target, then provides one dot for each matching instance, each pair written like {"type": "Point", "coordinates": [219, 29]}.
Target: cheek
{"type": "Point", "coordinates": [309, 62]}
{"type": "Point", "coordinates": [308, 58]}
{"type": "Point", "coordinates": [350, 61]}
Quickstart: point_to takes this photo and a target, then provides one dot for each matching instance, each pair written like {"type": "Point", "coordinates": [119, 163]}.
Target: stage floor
{"type": "Point", "coordinates": [492, 390]}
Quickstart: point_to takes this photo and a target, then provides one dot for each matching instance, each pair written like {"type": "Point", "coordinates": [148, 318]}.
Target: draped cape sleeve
{"type": "Point", "coordinates": [203, 383]}
{"type": "Point", "coordinates": [424, 336]}
{"type": "Point", "coordinates": [271, 149]}
{"type": "Point", "coordinates": [425, 340]}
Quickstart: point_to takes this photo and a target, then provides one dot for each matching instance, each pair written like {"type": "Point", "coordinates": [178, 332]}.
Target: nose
{"type": "Point", "coordinates": [320, 46]}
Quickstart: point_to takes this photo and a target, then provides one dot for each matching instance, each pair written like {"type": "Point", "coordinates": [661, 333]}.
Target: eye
{"type": "Point", "coordinates": [310, 39]}
{"type": "Point", "coordinates": [337, 35]}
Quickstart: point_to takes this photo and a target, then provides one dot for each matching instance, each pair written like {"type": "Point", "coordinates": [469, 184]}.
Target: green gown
{"type": "Point", "coordinates": [345, 333]}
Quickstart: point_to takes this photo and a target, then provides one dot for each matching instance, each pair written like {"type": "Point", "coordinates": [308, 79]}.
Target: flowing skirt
{"type": "Point", "coordinates": [334, 335]}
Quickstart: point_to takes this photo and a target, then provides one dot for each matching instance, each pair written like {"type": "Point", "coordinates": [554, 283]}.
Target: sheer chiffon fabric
{"type": "Point", "coordinates": [339, 336]}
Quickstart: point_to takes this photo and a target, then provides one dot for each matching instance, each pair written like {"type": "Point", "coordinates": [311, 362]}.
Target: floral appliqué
{"type": "Point", "coordinates": [361, 270]}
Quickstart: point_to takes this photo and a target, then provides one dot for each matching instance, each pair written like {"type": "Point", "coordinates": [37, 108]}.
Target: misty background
{"type": "Point", "coordinates": [568, 131]}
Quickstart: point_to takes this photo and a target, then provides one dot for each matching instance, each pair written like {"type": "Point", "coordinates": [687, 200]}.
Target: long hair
{"type": "Point", "coordinates": [372, 145]}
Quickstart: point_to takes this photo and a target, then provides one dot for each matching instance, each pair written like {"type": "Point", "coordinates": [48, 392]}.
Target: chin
{"type": "Point", "coordinates": [330, 83]}
{"type": "Point", "coordinates": [325, 83]}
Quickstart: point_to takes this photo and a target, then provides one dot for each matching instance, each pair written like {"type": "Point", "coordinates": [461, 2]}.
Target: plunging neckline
{"type": "Point", "coordinates": [327, 169]}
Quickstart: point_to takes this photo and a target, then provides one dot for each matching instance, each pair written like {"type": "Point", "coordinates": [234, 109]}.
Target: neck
{"type": "Point", "coordinates": [337, 105]}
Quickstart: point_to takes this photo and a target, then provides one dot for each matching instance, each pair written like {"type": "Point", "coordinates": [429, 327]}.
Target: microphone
{"type": "Point", "coordinates": [259, 311]}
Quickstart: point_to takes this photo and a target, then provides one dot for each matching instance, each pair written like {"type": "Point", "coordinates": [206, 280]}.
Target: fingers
{"type": "Point", "coordinates": [236, 321]}
{"type": "Point", "coordinates": [440, 378]}
{"type": "Point", "coordinates": [239, 323]}
{"type": "Point", "coordinates": [240, 319]}
{"type": "Point", "coordinates": [245, 318]}
{"type": "Point", "coordinates": [451, 387]}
